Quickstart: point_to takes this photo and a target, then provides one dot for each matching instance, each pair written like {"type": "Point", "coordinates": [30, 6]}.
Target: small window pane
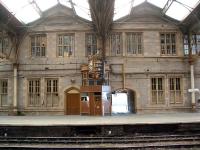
{"type": "Point", "coordinates": [65, 45]}
{"type": "Point", "coordinates": [134, 43]}
{"type": "Point", "coordinates": [52, 98]}
{"type": "Point", "coordinates": [34, 93]}
{"type": "Point", "coordinates": [157, 91]}
{"type": "Point", "coordinates": [116, 44]}
{"type": "Point", "coordinates": [168, 43]}
{"type": "Point", "coordinates": [38, 45]}
{"type": "Point", "coordinates": [175, 90]}
{"type": "Point", "coordinates": [91, 44]}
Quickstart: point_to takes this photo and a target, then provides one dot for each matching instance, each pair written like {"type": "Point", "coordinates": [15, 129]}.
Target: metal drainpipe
{"type": "Point", "coordinates": [192, 85]}
{"type": "Point", "coordinates": [191, 62]}
{"type": "Point", "coordinates": [123, 71]}
{"type": "Point", "coordinates": [15, 89]}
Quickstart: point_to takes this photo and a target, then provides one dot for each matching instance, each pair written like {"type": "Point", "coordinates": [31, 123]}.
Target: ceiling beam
{"type": "Point", "coordinates": [167, 6]}
{"type": "Point", "coordinates": [36, 7]}
{"type": "Point", "coordinates": [72, 5]}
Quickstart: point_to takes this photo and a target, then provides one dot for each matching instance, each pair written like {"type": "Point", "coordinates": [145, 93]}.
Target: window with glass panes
{"type": "Point", "coordinates": [34, 95]}
{"type": "Point", "coordinates": [65, 45]}
{"type": "Point", "coordinates": [157, 90]}
{"type": "Point", "coordinates": [195, 43]}
{"type": "Point", "coordinates": [168, 43]}
{"type": "Point", "coordinates": [3, 92]}
{"type": "Point", "coordinates": [38, 45]}
{"type": "Point", "coordinates": [4, 45]}
{"type": "Point", "coordinates": [116, 44]}
{"type": "Point", "coordinates": [186, 45]}
{"type": "Point", "coordinates": [175, 90]}
{"type": "Point", "coordinates": [134, 43]}
{"type": "Point", "coordinates": [91, 44]}
{"type": "Point", "coordinates": [52, 98]}
{"type": "Point", "coordinates": [84, 78]}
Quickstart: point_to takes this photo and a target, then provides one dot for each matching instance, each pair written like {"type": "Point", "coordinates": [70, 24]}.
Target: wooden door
{"type": "Point", "coordinates": [98, 105]}
{"type": "Point", "coordinates": [92, 105]}
{"type": "Point", "coordinates": [73, 104]}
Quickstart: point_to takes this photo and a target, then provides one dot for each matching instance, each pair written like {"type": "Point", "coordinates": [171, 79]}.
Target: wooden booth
{"type": "Point", "coordinates": [95, 89]}
{"type": "Point", "coordinates": [95, 100]}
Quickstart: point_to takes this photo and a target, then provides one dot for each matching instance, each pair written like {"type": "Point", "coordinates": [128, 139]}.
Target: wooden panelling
{"type": "Point", "coordinates": [93, 88]}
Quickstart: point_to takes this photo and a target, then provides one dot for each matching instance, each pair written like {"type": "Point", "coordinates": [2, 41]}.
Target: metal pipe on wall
{"type": "Point", "coordinates": [191, 62]}
{"type": "Point", "coordinates": [15, 88]}
{"type": "Point", "coordinates": [192, 84]}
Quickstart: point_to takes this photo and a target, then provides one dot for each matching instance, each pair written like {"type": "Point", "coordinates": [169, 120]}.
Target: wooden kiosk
{"type": "Point", "coordinates": [95, 89]}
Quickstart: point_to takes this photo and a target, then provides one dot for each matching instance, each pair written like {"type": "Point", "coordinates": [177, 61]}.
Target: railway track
{"type": "Point", "coordinates": [125, 142]}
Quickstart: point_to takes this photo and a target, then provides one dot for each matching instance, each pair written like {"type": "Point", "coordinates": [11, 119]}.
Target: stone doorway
{"type": "Point", "coordinates": [72, 102]}
{"type": "Point", "coordinates": [123, 101]}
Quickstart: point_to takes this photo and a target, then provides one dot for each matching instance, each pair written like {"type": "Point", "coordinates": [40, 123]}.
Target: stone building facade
{"type": "Point", "coordinates": [145, 52]}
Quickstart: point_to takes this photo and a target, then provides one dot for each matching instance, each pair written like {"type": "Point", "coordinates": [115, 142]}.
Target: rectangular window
{"type": "Point", "coordinates": [52, 98]}
{"type": "Point", "coordinates": [116, 44]}
{"type": "Point", "coordinates": [157, 90]}
{"type": "Point", "coordinates": [195, 43]}
{"type": "Point", "coordinates": [175, 90]}
{"type": "Point", "coordinates": [3, 92]}
{"type": "Point", "coordinates": [38, 45]}
{"type": "Point", "coordinates": [65, 45]}
{"type": "Point", "coordinates": [84, 78]}
{"type": "Point", "coordinates": [34, 98]}
{"type": "Point", "coordinates": [186, 45]}
{"type": "Point", "coordinates": [134, 43]}
{"type": "Point", "coordinates": [4, 45]}
{"type": "Point", "coordinates": [168, 43]}
{"type": "Point", "coordinates": [91, 44]}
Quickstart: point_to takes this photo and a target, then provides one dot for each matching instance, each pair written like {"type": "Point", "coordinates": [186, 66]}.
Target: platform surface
{"type": "Point", "coordinates": [100, 120]}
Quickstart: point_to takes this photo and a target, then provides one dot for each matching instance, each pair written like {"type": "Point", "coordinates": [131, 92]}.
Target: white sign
{"type": "Point", "coordinates": [193, 90]}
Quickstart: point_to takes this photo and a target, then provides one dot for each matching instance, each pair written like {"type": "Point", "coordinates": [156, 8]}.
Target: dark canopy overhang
{"type": "Point", "coordinates": [8, 21]}
{"type": "Point", "coordinates": [192, 21]}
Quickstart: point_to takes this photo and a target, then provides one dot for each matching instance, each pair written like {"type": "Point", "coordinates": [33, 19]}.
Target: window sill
{"type": "Point", "coordinates": [36, 57]}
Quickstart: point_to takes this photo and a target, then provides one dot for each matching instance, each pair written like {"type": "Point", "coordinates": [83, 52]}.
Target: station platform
{"type": "Point", "coordinates": [130, 119]}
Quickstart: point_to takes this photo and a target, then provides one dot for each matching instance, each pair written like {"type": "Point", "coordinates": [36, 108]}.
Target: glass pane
{"type": "Point", "coordinates": [162, 39]}
{"type": "Point", "coordinates": [171, 83]}
{"type": "Point", "coordinates": [160, 84]}
{"type": "Point", "coordinates": [154, 97]}
{"type": "Point", "coordinates": [178, 97]}
{"type": "Point", "coordinates": [176, 7]}
{"type": "Point", "coordinates": [173, 49]}
{"type": "Point", "coordinates": [60, 40]}
{"type": "Point", "coordinates": [66, 40]}
{"type": "Point", "coordinates": [172, 97]}
{"type": "Point", "coordinates": [4, 100]}
{"type": "Point", "coordinates": [60, 51]}
{"type": "Point", "coordinates": [173, 38]}
{"type": "Point", "coordinates": [55, 86]}
{"type": "Point", "coordinates": [178, 87]}
{"type": "Point", "coordinates": [160, 97]}
{"type": "Point", "coordinates": [55, 99]}
{"type": "Point", "coordinates": [49, 99]}
{"type": "Point", "coordinates": [48, 86]}
{"type": "Point", "coordinates": [42, 51]}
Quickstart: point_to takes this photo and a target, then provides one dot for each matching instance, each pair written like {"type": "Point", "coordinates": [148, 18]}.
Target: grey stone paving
{"type": "Point", "coordinates": [105, 120]}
